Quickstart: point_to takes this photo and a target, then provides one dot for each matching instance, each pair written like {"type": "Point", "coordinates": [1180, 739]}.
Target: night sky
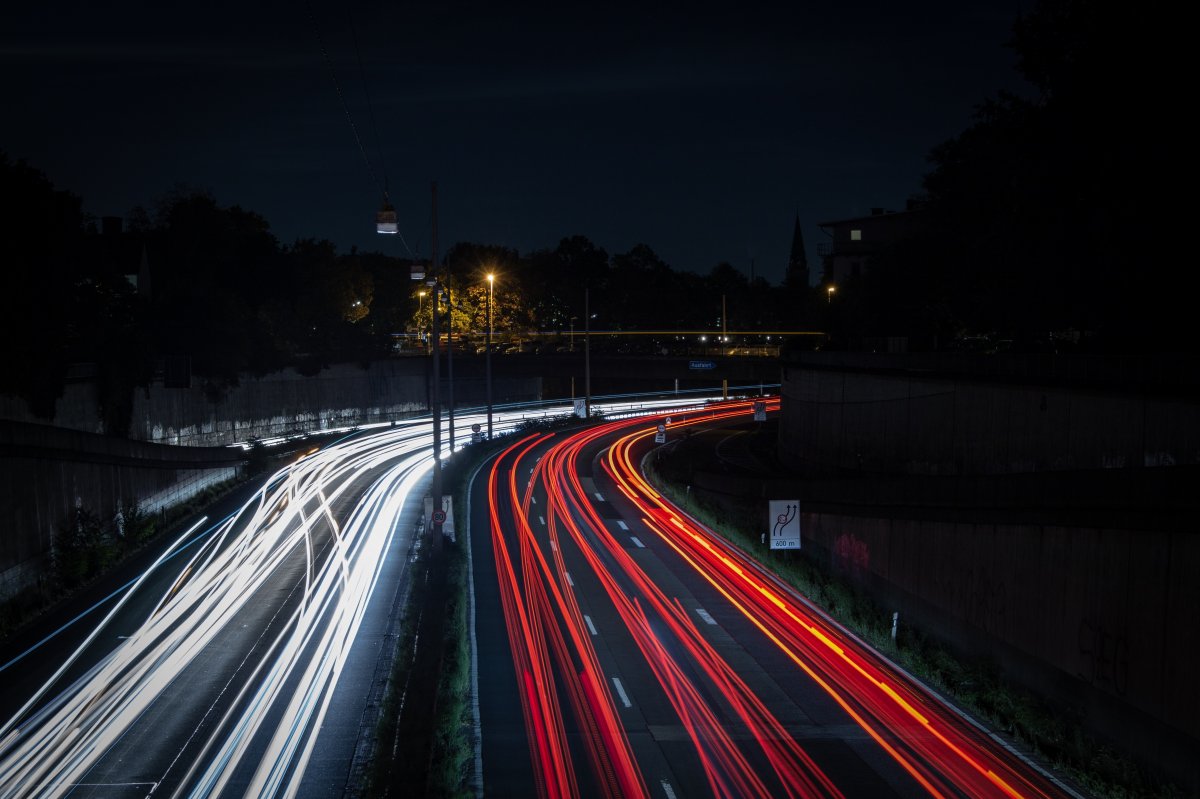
{"type": "Point", "coordinates": [700, 131]}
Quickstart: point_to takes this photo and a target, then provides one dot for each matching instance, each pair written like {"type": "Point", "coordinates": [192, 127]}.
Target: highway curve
{"type": "Point", "coordinates": [626, 650]}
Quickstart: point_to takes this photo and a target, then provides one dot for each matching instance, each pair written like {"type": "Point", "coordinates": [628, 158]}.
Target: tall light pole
{"type": "Point", "coordinates": [450, 359]}
{"type": "Point", "coordinates": [587, 355]}
{"type": "Point", "coordinates": [491, 279]}
{"type": "Point", "coordinates": [829, 294]}
{"type": "Point", "coordinates": [385, 222]}
{"type": "Point", "coordinates": [436, 399]}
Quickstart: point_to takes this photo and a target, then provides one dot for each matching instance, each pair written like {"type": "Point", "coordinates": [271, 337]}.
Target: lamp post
{"type": "Point", "coordinates": [491, 279]}
{"type": "Point", "coordinates": [829, 294]}
{"type": "Point", "coordinates": [420, 308]}
{"type": "Point", "coordinates": [450, 358]}
{"type": "Point", "coordinates": [587, 355]}
{"type": "Point", "coordinates": [436, 399]}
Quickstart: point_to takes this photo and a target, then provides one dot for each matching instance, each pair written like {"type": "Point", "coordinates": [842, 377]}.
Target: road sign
{"type": "Point", "coordinates": [760, 411]}
{"type": "Point", "coordinates": [580, 408]}
{"type": "Point", "coordinates": [439, 516]}
{"type": "Point", "coordinates": [667, 420]}
{"type": "Point", "coordinates": [785, 523]}
{"type": "Point", "coordinates": [702, 364]}
{"type": "Point", "coordinates": [475, 428]}
{"type": "Point", "coordinates": [660, 437]}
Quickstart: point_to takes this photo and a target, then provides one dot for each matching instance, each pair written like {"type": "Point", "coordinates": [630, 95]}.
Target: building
{"type": "Point", "coordinates": [852, 242]}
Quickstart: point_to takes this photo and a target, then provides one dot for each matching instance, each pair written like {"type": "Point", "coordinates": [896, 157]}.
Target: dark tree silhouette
{"type": "Point", "coordinates": [43, 229]}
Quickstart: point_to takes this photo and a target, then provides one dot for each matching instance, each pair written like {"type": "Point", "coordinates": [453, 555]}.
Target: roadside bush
{"type": "Point", "coordinates": [83, 548]}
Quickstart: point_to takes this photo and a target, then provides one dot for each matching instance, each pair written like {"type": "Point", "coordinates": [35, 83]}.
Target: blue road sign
{"type": "Point", "coordinates": [702, 364]}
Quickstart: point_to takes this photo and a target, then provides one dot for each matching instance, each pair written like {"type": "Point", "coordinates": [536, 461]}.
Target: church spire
{"type": "Point", "coordinates": [796, 276]}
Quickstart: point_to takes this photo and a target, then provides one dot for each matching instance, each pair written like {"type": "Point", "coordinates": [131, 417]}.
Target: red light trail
{"type": "Point", "coordinates": [741, 748]}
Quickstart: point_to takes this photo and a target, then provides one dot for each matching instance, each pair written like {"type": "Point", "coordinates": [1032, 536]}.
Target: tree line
{"type": "Point", "coordinates": [210, 287]}
{"type": "Point", "coordinates": [1049, 221]}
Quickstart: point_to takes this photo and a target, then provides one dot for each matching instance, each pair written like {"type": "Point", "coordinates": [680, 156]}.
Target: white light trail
{"type": "Point", "coordinates": [287, 536]}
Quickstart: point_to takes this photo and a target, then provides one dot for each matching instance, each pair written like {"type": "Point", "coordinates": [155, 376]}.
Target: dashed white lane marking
{"type": "Point", "coordinates": [570, 582]}
{"type": "Point", "coordinates": [702, 613]}
{"type": "Point", "coordinates": [591, 627]}
{"type": "Point", "coordinates": [621, 692]}
{"type": "Point", "coordinates": [622, 525]}
{"type": "Point", "coordinates": [599, 496]}
{"type": "Point", "coordinates": [542, 519]}
{"type": "Point", "coordinates": [667, 789]}
{"type": "Point", "coordinates": [533, 499]}
{"type": "Point", "coordinates": [553, 545]}
{"type": "Point", "coordinates": [636, 542]}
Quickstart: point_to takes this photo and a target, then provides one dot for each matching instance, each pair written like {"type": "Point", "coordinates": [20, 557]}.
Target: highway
{"type": "Point", "coordinates": [215, 670]}
{"type": "Point", "coordinates": [237, 658]}
{"type": "Point", "coordinates": [626, 650]}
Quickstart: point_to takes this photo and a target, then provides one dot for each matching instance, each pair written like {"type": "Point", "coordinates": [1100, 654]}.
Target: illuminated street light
{"type": "Point", "coordinates": [491, 279]}
{"type": "Point", "coordinates": [829, 293]}
{"type": "Point", "coordinates": [420, 308]}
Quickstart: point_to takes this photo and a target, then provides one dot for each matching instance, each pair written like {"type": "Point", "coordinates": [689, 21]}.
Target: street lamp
{"type": "Point", "coordinates": [420, 309]}
{"type": "Point", "coordinates": [829, 294]}
{"type": "Point", "coordinates": [450, 357]}
{"type": "Point", "coordinates": [491, 279]}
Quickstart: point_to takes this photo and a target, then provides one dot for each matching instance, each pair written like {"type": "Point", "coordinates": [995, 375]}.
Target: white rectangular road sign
{"type": "Point", "coordinates": [784, 520]}
{"type": "Point", "coordinates": [580, 407]}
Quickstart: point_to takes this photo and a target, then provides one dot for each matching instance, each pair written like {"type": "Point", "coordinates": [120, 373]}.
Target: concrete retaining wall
{"type": "Point", "coordinates": [1102, 621]}
{"type": "Point", "coordinates": [47, 472]}
{"type": "Point", "coordinates": [842, 418]}
{"type": "Point", "coordinates": [1037, 511]}
{"type": "Point", "coordinates": [344, 395]}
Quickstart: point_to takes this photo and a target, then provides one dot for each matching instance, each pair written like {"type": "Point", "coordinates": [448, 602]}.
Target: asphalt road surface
{"type": "Point", "coordinates": [213, 668]}
{"type": "Point", "coordinates": [625, 650]}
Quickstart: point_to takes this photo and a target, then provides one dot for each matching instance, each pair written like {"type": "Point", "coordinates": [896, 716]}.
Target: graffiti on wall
{"type": "Point", "coordinates": [851, 554]}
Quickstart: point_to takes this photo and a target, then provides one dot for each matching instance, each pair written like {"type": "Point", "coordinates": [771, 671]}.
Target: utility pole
{"type": "Point", "coordinates": [587, 355]}
{"type": "Point", "coordinates": [724, 329]}
{"type": "Point", "coordinates": [437, 377]}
